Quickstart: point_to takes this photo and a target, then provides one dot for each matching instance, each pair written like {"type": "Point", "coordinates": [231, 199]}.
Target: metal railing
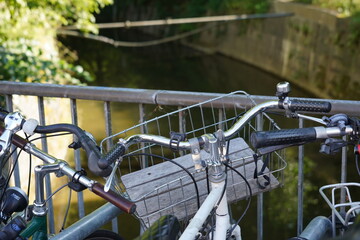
{"type": "Point", "coordinates": [143, 97]}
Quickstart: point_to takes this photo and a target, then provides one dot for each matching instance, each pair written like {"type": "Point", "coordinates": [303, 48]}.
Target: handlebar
{"type": "Point", "coordinates": [119, 201]}
{"type": "Point", "coordinates": [296, 136]}
{"type": "Point", "coordinates": [90, 147]}
{"type": "Point", "coordinates": [281, 137]}
{"type": "Point", "coordinates": [86, 142]}
{"type": "Point", "coordinates": [287, 104]}
{"type": "Point", "coordinates": [295, 105]}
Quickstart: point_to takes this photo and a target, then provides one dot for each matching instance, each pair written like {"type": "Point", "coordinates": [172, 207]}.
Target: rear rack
{"type": "Point", "coordinates": [343, 212]}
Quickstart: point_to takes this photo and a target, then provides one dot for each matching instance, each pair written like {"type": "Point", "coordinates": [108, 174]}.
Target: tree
{"type": "Point", "coordinates": [28, 45]}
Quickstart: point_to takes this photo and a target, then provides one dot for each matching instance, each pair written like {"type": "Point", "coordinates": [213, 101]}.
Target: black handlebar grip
{"type": "Point", "coordinates": [282, 137]}
{"type": "Point", "coordinates": [309, 106]}
{"type": "Point", "coordinates": [117, 151]}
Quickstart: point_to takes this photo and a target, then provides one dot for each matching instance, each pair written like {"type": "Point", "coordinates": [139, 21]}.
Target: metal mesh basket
{"type": "Point", "coordinates": [161, 187]}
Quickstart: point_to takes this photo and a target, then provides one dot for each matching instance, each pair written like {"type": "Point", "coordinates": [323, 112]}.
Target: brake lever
{"type": "Point", "coordinates": [13, 122]}
{"type": "Point", "coordinates": [314, 119]}
{"type": "Point", "coordinates": [109, 180]}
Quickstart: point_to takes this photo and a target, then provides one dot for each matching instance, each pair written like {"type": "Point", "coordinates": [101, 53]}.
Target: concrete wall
{"type": "Point", "coordinates": [310, 48]}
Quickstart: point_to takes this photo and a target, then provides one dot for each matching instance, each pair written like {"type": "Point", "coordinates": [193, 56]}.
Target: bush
{"type": "Point", "coordinates": [28, 46]}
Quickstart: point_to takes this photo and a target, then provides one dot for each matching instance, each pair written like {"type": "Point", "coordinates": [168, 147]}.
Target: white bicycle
{"type": "Point", "coordinates": [202, 167]}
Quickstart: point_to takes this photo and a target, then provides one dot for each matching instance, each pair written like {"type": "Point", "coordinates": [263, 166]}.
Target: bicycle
{"type": "Point", "coordinates": [162, 189]}
{"type": "Point", "coordinates": [14, 199]}
{"type": "Point", "coordinates": [344, 210]}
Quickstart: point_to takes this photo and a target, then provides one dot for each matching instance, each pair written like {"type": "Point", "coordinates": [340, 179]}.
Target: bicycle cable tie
{"type": "Point", "coordinates": [175, 139]}
{"type": "Point", "coordinates": [74, 184]}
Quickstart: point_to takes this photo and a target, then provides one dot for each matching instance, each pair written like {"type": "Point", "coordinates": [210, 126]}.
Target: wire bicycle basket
{"type": "Point", "coordinates": [161, 187]}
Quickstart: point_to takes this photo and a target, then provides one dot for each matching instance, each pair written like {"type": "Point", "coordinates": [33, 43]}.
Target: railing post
{"type": "Point", "coordinates": [300, 184]}
{"type": "Point", "coordinates": [144, 160]}
{"type": "Point", "coordinates": [10, 108]}
{"type": "Point", "coordinates": [108, 124]}
{"type": "Point", "coordinates": [182, 125]}
{"type": "Point", "coordinates": [260, 196]}
{"type": "Point", "coordinates": [221, 119]}
{"type": "Point", "coordinates": [343, 173]}
{"type": "Point", "coordinates": [74, 120]}
{"type": "Point", "coordinates": [47, 177]}
{"type": "Point", "coordinates": [108, 130]}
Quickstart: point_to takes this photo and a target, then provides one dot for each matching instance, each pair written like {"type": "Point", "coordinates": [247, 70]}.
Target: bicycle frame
{"type": "Point", "coordinates": [37, 228]}
{"type": "Point", "coordinates": [222, 214]}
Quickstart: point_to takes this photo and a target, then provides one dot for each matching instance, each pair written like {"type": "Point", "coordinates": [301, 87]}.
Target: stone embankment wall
{"type": "Point", "coordinates": [311, 48]}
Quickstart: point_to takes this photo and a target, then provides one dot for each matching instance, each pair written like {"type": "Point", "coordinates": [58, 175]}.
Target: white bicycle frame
{"type": "Point", "coordinates": [216, 198]}
{"type": "Point", "coordinates": [222, 215]}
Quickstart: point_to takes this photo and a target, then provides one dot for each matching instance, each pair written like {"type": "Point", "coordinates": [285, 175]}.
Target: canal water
{"type": "Point", "coordinates": [175, 67]}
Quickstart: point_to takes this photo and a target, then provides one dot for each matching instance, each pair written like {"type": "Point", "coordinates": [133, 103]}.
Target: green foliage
{"type": "Point", "coordinates": [354, 38]}
{"type": "Point", "coordinates": [247, 7]}
{"type": "Point", "coordinates": [343, 7]}
{"type": "Point", "coordinates": [305, 1]}
{"type": "Point", "coordinates": [28, 46]}
{"type": "Point", "coordinates": [27, 19]}
{"type": "Point", "coordinates": [23, 61]}
{"type": "Point", "coordinates": [197, 8]}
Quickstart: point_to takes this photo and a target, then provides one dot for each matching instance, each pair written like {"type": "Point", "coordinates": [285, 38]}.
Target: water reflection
{"type": "Point", "coordinates": [171, 67]}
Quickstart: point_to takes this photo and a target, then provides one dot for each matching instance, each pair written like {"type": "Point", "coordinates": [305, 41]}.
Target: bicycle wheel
{"type": "Point", "coordinates": [103, 235]}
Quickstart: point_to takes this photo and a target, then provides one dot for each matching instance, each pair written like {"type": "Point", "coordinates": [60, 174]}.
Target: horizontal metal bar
{"type": "Point", "coordinates": [87, 225]}
{"type": "Point", "coordinates": [162, 97]}
{"type": "Point", "coordinates": [170, 21]}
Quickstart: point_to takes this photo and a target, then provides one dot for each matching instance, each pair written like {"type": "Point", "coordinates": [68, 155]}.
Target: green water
{"type": "Point", "coordinates": [173, 67]}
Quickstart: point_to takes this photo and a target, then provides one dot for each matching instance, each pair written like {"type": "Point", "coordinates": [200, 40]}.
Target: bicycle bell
{"type": "Point", "coordinates": [282, 89]}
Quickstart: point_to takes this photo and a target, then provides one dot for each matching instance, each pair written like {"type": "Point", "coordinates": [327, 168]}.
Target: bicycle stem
{"type": "Point", "coordinates": [41, 171]}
